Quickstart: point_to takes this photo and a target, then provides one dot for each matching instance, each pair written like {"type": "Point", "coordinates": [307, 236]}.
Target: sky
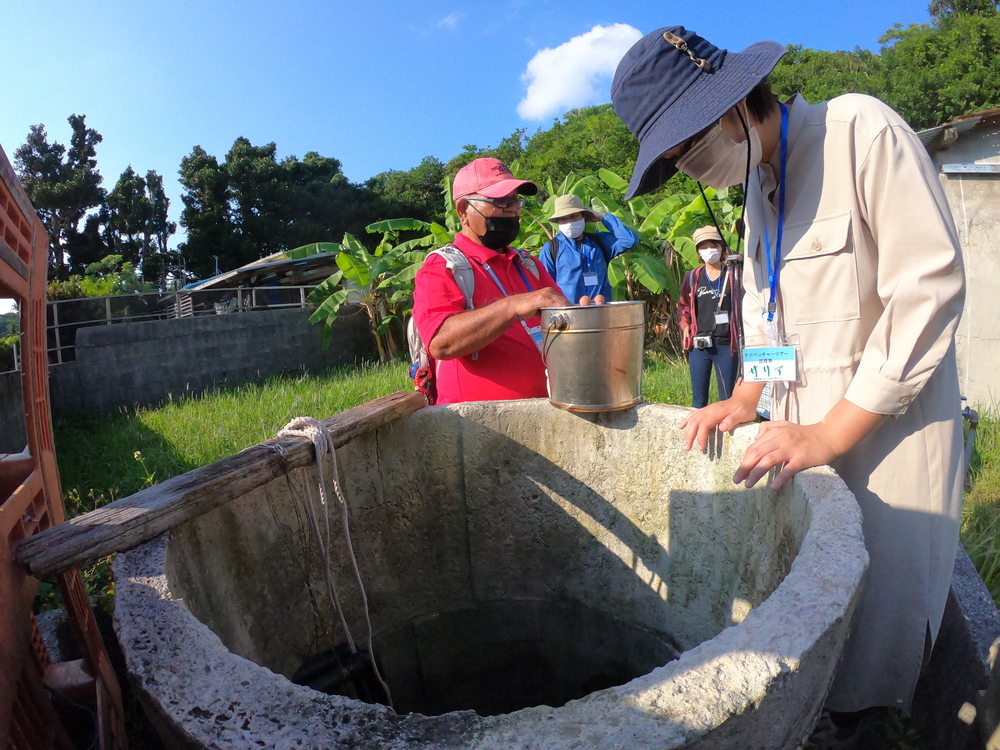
{"type": "Point", "coordinates": [378, 85]}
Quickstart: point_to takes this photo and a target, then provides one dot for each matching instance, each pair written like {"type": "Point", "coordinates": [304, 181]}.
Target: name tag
{"type": "Point", "coordinates": [769, 363]}
{"type": "Point", "coordinates": [536, 334]}
{"type": "Point", "coordinates": [722, 318]}
{"type": "Point", "coordinates": [590, 279]}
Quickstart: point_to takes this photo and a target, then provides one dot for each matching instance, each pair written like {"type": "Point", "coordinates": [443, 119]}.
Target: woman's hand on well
{"type": "Point", "coordinates": [796, 446]}
{"type": "Point", "coordinates": [725, 415]}
{"type": "Point", "coordinates": [801, 447]}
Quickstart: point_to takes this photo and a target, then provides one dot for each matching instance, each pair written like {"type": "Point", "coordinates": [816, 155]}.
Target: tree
{"type": "Point", "coordinates": [129, 213]}
{"type": "Point", "coordinates": [251, 205]}
{"type": "Point", "coordinates": [933, 75]}
{"type": "Point", "coordinates": [63, 184]}
{"type": "Point", "coordinates": [416, 192]}
{"type": "Point", "coordinates": [211, 234]}
{"type": "Point", "coordinates": [943, 11]}
{"type": "Point", "coordinates": [820, 75]}
{"type": "Point", "coordinates": [584, 141]}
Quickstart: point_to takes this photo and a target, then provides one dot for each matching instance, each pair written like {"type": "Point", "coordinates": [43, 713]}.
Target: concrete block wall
{"type": "Point", "coordinates": [140, 364]}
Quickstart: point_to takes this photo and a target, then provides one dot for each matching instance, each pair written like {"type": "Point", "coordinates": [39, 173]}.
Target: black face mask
{"type": "Point", "coordinates": [500, 231]}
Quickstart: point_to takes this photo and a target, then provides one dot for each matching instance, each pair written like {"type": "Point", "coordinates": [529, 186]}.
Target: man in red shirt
{"type": "Point", "coordinates": [487, 353]}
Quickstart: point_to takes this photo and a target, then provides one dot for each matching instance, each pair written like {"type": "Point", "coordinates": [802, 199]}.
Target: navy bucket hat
{"type": "Point", "coordinates": [672, 85]}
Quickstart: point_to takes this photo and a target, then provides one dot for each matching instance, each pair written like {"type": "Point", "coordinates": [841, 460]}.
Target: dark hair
{"type": "Point", "coordinates": [761, 101]}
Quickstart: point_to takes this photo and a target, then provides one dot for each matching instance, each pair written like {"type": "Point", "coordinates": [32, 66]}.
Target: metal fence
{"type": "Point", "coordinates": [66, 317]}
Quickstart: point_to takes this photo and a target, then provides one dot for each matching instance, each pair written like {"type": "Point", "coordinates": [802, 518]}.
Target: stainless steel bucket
{"type": "Point", "coordinates": [594, 355]}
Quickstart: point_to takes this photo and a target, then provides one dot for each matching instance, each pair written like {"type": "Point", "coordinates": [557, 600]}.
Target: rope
{"type": "Point", "coordinates": [314, 431]}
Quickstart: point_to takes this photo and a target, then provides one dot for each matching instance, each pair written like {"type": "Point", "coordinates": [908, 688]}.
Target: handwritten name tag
{"type": "Point", "coordinates": [767, 363]}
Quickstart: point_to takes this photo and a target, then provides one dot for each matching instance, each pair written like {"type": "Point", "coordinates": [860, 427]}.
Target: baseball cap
{"type": "Point", "coordinates": [490, 178]}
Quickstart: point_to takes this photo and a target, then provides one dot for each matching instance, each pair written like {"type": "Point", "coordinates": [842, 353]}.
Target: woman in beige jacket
{"type": "Point", "coordinates": [868, 284]}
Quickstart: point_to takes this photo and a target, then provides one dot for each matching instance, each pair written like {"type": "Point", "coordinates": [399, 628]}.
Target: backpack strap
{"type": "Point", "coordinates": [552, 246]}
{"type": "Point", "coordinates": [528, 262]}
{"type": "Point", "coordinates": [461, 269]}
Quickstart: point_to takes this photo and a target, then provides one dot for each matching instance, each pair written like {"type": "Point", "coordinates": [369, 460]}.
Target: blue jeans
{"type": "Point", "coordinates": [701, 362]}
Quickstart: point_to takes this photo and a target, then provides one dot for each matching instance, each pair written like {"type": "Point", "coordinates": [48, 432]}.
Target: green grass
{"type": "Point", "coordinates": [981, 513]}
{"type": "Point", "coordinates": [102, 458]}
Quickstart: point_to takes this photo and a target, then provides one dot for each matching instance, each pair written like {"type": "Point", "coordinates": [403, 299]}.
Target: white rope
{"type": "Point", "coordinates": [316, 432]}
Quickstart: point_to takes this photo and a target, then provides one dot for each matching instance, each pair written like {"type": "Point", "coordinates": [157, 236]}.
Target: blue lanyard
{"type": "Point", "coordinates": [496, 280]}
{"type": "Point", "coordinates": [774, 267]}
{"type": "Point", "coordinates": [517, 265]}
{"type": "Point", "coordinates": [715, 287]}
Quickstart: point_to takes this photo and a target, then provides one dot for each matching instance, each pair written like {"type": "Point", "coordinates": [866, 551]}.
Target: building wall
{"type": "Point", "coordinates": [975, 204]}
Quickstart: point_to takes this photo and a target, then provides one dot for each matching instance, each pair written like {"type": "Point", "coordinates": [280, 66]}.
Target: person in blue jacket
{"type": "Point", "coordinates": [579, 260]}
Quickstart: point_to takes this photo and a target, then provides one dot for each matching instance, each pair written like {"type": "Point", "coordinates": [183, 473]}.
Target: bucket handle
{"type": "Point", "coordinates": [557, 322]}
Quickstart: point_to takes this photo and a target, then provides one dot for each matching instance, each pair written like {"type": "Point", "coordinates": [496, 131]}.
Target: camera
{"type": "Point", "coordinates": [703, 342]}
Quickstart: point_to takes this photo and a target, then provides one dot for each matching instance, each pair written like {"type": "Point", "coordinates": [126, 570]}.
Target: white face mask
{"type": "Point", "coordinates": [572, 229]}
{"type": "Point", "coordinates": [718, 160]}
{"type": "Point", "coordinates": [710, 254]}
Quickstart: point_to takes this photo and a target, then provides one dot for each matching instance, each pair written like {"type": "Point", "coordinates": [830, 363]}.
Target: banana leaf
{"type": "Point", "coordinates": [384, 324]}
{"type": "Point", "coordinates": [661, 212]}
{"type": "Point", "coordinates": [649, 271]}
{"type": "Point", "coordinates": [354, 269]}
{"type": "Point", "coordinates": [612, 180]}
{"type": "Point", "coordinates": [330, 306]}
{"type": "Point", "coordinates": [327, 287]}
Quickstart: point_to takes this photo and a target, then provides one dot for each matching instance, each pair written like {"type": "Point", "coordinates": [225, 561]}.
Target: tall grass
{"type": "Point", "coordinates": [981, 512]}
{"type": "Point", "coordinates": [102, 458]}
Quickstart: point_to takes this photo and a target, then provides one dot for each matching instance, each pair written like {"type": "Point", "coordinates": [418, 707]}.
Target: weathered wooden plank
{"type": "Point", "coordinates": [132, 520]}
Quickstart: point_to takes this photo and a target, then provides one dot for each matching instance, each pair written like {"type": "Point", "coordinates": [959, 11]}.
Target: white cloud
{"type": "Point", "coordinates": [568, 75]}
{"type": "Point", "coordinates": [450, 21]}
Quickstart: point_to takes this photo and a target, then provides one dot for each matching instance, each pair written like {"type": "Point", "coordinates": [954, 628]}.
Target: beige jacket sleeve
{"type": "Point", "coordinates": [921, 281]}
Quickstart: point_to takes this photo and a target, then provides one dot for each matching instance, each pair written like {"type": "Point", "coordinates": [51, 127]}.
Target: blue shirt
{"type": "Point", "coordinates": [588, 259]}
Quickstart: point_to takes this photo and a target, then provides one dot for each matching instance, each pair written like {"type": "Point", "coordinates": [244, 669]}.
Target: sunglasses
{"type": "Point", "coordinates": [502, 202]}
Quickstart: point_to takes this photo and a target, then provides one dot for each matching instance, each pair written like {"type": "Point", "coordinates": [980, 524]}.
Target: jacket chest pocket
{"type": "Point", "coordinates": [819, 275]}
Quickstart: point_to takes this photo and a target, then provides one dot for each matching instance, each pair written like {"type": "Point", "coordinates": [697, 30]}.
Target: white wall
{"type": "Point", "coordinates": [975, 203]}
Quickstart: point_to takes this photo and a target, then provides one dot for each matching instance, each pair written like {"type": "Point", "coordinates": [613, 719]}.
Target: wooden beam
{"type": "Point", "coordinates": [132, 520]}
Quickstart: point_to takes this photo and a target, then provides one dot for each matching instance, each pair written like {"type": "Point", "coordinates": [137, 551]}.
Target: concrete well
{"type": "Point", "coordinates": [536, 579]}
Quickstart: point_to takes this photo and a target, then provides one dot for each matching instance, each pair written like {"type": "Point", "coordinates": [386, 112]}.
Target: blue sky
{"type": "Point", "coordinates": [378, 85]}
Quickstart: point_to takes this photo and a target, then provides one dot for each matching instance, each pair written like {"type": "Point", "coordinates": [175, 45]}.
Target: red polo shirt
{"type": "Point", "coordinates": [509, 367]}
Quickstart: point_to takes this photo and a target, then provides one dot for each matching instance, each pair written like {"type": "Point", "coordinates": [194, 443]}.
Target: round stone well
{"type": "Point", "coordinates": [536, 579]}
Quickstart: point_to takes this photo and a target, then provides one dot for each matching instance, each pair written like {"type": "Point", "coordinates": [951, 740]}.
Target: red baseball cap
{"type": "Point", "coordinates": [489, 178]}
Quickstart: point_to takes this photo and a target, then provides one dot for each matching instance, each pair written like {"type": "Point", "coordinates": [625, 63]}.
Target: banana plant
{"type": "Point", "coordinates": [380, 282]}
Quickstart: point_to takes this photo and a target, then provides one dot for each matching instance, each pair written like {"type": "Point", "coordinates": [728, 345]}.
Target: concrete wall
{"type": "Point", "coordinates": [975, 203]}
{"type": "Point", "coordinates": [12, 435]}
{"type": "Point", "coordinates": [131, 364]}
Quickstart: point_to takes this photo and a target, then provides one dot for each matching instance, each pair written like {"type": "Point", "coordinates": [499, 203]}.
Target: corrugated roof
{"type": "Point", "coordinates": [293, 272]}
{"type": "Point", "coordinates": [962, 124]}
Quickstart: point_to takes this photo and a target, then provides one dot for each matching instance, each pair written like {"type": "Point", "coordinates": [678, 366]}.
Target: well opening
{"type": "Point", "coordinates": [510, 561]}
{"type": "Point", "coordinates": [504, 656]}
{"type": "Point", "coordinates": [523, 563]}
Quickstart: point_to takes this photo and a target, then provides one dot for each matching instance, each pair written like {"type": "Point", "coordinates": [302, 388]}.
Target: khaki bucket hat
{"type": "Point", "coordinates": [704, 234]}
{"type": "Point", "coordinates": [567, 205]}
